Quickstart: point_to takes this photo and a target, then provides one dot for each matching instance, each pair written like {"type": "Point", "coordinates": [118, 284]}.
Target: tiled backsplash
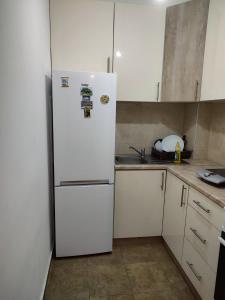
{"type": "Point", "coordinates": [140, 124]}
{"type": "Point", "coordinates": [213, 135]}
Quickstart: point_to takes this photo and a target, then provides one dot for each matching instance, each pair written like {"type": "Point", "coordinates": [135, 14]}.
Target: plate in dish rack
{"type": "Point", "coordinates": [169, 143]}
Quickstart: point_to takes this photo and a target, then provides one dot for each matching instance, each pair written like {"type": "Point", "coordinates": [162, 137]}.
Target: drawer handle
{"type": "Point", "coordinates": [182, 196]}
{"type": "Point", "coordinates": [198, 235]}
{"type": "Point", "coordinates": [108, 64]}
{"type": "Point", "coordinates": [163, 179]}
{"type": "Point", "coordinates": [158, 87]}
{"type": "Point", "coordinates": [208, 211]}
{"type": "Point", "coordinates": [196, 90]}
{"type": "Point", "coordinates": [191, 266]}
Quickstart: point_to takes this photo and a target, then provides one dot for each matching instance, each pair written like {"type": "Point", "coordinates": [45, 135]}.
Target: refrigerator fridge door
{"type": "Point", "coordinates": [84, 219]}
{"type": "Point", "coordinates": [84, 146]}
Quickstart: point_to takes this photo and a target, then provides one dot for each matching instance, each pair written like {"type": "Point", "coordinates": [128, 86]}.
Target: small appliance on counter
{"type": "Point", "coordinates": [215, 177]}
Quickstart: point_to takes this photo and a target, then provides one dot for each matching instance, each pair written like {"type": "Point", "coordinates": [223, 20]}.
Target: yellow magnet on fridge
{"type": "Point", "coordinates": [104, 99]}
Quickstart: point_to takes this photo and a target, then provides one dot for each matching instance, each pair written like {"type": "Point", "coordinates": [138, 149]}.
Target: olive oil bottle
{"type": "Point", "coordinates": [177, 154]}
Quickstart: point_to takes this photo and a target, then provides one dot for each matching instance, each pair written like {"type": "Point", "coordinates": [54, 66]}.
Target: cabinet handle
{"type": "Point", "coordinates": [208, 211]}
{"type": "Point", "coordinates": [108, 64]}
{"type": "Point", "coordinates": [196, 90]}
{"type": "Point", "coordinates": [158, 86]}
{"type": "Point", "coordinates": [195, 232]}
{"type": "Point", "coordinates": [163, 179]}
{"type": "Point", "coordinates": [191, 266]}
{"type": "Point", "coordinates": [182, 196]}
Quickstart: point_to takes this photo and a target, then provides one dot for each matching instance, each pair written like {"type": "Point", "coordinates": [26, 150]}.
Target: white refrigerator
{"type": "Point", "coordinates": [84, 110]}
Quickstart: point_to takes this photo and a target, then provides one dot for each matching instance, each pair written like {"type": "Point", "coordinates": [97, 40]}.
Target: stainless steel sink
{"type": "Point", "coordinates": [135, 160]}
{"type": "Point", "coordinates": [129, 160]}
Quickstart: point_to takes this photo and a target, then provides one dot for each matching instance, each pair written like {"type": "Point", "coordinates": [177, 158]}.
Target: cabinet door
{"type": "Point", "coordinates": [175, 214]}
{"type": "Point", "coordinates": [139, 43]}
{"type": "Point", "coordinates": [213, 87]}
{"type": "Point", "coordinates": [184, 51]}
{"type": "Point", "coordinates": [139, 199]}
{"type": "Point", "coordinates": [81, 35]}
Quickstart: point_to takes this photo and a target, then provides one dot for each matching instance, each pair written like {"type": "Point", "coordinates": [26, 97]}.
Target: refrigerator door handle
{"type": "Point", "coordinates": [84, 182]}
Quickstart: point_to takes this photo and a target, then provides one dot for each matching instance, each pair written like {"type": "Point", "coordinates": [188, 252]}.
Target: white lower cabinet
{"type": "Point", "coordinates": [198, 272]}
{"type": "Point", "coordinates": [139, 200]}
{"type": "Point", "coordinates": [175, 214]}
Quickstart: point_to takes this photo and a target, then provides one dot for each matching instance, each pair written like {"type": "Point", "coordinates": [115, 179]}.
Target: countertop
{"type": "Point", "coordinates": [187, 173]}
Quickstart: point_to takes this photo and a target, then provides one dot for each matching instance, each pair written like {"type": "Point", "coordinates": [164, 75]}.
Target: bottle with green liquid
{"type": "Point", "coordinates": [177, 154]}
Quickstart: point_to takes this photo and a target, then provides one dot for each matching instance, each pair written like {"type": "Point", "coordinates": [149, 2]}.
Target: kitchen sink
{"type": "Point", "coordinates": [135, 160]}
{"type": "Point", "coordinates": [129, 160]}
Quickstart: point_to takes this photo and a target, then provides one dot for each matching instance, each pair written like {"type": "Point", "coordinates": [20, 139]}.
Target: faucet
{"type": "Point", "coordinates": [141, 152]}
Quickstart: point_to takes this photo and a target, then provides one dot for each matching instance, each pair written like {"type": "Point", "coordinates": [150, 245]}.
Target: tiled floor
{"type": "Point", "coordinates": [138, 269]}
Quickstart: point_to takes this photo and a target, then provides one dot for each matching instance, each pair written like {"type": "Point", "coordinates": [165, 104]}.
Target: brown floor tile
{"type": "Point", "coordinates": [69, 264]}
{"type": "Point", "coordinates": [138, 269]}
{"type": "Point", "coordinates": [108, 280]}
{"type": "Point", "coordinates": [156, 295]}
{"type": "Point", "coordinates": [68, 280]}
{"type": "Point", "coordinates": [113, 258]}
{"type": "Point", "coordinates": [148, 276]}
{"type": "Point", "coordinates": [137, 242]}
{"type": "Point", "coordinates": [183, 292]}
{"type": "Point", "coordinates": [165, 294]}
{"type": "Point", "coordinates": [136, 254]}
{"type": "Point", "coordinates": [118, 297]}
{"type": "Point", "coordinates": [159, 253]}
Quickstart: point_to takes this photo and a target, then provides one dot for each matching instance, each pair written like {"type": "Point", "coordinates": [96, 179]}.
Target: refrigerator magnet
{"type": "Point", "coordinates": [86, 91]}
{"type": "Point", "coordinates": [104, 99]}
{"type": "Point", "coordinates": [86, 103]}
{"type": "Point", "coordinates": [64, 81]}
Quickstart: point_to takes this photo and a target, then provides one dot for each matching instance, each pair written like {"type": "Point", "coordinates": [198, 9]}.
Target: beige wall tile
{"type": "Point", "coordinates": [140, 124]}
{"type": "Point", "coordinates": [216, 145]}
{"type": "Point", "coordinates": [201, 139]}
{"type": "Point", "coordinates": [189, 123]}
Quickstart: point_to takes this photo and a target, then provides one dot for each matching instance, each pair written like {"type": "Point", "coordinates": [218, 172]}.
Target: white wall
{"type": "Point", "coordinates": [25, 237]}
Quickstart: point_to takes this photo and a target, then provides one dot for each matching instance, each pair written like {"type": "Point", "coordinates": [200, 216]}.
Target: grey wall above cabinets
{"type": "Point", "coordinates": [184, 51]}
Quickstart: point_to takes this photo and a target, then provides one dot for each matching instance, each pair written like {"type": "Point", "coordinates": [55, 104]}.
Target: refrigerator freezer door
{"type": "Point", "coordinates": [84, 147]}
{"type": "Point", "coordinates": [84, 219]}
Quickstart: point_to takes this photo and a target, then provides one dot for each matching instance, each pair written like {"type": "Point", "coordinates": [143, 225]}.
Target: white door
{"type": "Point", "coordinates": [138, 51]}
{"type": "Point", "coordinates": [174, 214]}
{"type": "Point", "coordinates": [84, 219]}
{"type": "Point", "coordinates": [84, 147]}
{"type": "Point", "coordinates": [213, 87]}
{"type": "Point", "coordinates": [139, 200]}
{"type": "Point", "coordinates": [81, 35]}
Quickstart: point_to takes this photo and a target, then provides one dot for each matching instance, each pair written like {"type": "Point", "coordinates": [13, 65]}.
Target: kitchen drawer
{"type": "Point", "coordinates": [211, 211]}
{"type": "Point", "coordinates": [203, 236]}
{"type": "Point", "coordinates": [201, 276]}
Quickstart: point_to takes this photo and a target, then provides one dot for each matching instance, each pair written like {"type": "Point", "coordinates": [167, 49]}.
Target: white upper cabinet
{"type": "Point", "coordinates": [213, 87]}
{"type": "Point", "coordinates": [138, 50]}
{"type": "Point", "coordinates": [82, 35]}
